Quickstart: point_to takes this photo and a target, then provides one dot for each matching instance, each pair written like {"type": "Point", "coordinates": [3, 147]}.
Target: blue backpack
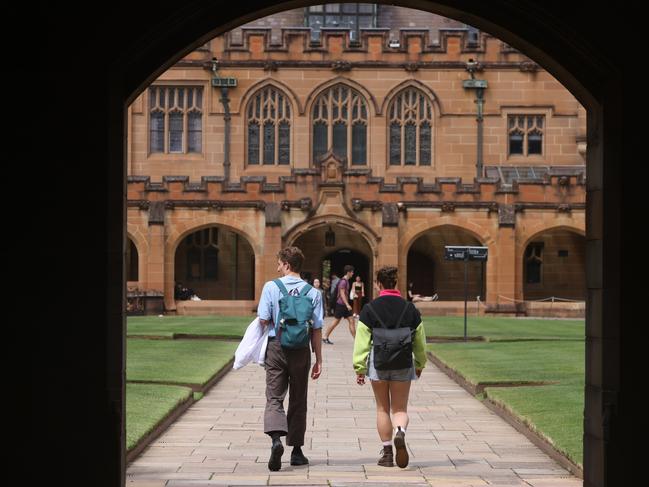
{"type": "Point", "coordinates": [295, 317]}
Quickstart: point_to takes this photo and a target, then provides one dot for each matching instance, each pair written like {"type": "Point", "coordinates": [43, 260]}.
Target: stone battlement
{"type": "Point", "coordinates": [414, 45]}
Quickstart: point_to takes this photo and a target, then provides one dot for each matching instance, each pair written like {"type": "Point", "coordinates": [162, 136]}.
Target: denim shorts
{"type": "Point", "coordinates": [398, 374]}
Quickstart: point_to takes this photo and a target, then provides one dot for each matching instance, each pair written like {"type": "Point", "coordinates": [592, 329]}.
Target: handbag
{"type": "Point", "coordinates": [392, 346]}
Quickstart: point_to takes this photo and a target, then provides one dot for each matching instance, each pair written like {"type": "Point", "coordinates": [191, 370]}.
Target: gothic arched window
{"type": "Point", "coordinates": [410, 124]}
{"type": "Point", "coordinates": [340, 120]}
{"type": "Point", "coordinates": [269, 127]}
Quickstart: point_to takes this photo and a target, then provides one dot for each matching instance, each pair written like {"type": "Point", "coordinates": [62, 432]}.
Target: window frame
{"type": "Point", "coordinates": [196, 107]}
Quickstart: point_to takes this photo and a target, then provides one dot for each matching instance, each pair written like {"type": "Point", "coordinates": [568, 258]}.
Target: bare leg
{"type": "Point", "coordinates": [399, 392]}
{"type": "Point", "coordinates": [382, 396]}
{"type": "Point", "coordinates": [328, 331]}
{"type": "Point", "coordinates": [352, 326]}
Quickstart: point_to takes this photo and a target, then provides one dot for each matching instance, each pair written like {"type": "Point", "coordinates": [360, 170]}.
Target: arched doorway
{"type": "Point", "coordinates": [554, 266]}
{"type": "Point", "coordinates": [328, 248]}
{"type": "Point", "coordinates": [132, 262]}
{"type": "Point", "coordinates": [431, 274]}
{"type": "Point", "coordinates": [216, 264]}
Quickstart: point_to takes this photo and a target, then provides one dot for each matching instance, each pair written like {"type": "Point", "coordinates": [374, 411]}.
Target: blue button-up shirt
{"type": "Point", "coordinates": [268, 308]}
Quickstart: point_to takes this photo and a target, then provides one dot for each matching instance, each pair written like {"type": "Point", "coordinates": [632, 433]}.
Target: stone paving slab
{"type": "Point", "coordinates": [453, 439]}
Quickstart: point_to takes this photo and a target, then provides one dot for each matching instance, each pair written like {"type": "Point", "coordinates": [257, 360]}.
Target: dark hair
{"type": "Point", "coordinates": [348, 268]}
{"type": "Point", "coordinates": [293, 256]}
{"type": "Point", "coordinates": [387, 276]}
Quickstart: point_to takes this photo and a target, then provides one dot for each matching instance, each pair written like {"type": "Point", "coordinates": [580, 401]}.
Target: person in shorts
{"type": "Point", "coordinates": [391, 386]}
{"type": "Point", "coordinates": [342, 307]}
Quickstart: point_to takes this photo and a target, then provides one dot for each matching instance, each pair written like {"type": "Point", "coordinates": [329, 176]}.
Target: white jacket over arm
{"type": "Point", "coordinates": [253, 345]}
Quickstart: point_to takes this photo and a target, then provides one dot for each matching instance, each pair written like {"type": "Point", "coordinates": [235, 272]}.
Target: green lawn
{"type": "Point", "coordinates": [176, 361]}
{"type": "Point", "coordinates": [556, 411]}
{"type": "Point", "coordinates": [167, 326]}
{"type": "Point", "coordinates": [146, 405]}
{"type": "Point", "coordinates": [494, 329]}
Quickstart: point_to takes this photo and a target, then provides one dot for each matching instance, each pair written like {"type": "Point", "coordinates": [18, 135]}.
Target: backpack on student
{"type": "Point", "coordinates": [295, 317]}
{"type": "Point", "coordinates": [392, 346]}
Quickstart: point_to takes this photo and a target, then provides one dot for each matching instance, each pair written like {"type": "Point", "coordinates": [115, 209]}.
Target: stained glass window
{"type": "Point", "coordinates": [270, 109]}
{"type": "Point", "coordinates": [410, 138]}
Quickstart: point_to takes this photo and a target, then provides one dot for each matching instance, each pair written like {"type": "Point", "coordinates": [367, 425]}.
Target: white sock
{"type": "Point", "coordinates": [387, 443]}
{"type": "Point", "coordinates": [402, 429]}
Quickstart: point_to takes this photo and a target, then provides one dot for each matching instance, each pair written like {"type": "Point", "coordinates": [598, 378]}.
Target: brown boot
{"type": "Point", "coordinates": [387, 459]}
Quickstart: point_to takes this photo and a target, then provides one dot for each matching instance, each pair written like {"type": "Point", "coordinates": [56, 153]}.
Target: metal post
{"type": "Point", "coordinates": [466, 291]}
{"type": "Point", "coordinates": [226, 149]}
{"type": "Point", "coordinates": [480, 119]}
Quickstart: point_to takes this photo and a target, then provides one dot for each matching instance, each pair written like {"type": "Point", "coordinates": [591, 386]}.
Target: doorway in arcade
{"type": "Point", "coordinates": [328, 249]}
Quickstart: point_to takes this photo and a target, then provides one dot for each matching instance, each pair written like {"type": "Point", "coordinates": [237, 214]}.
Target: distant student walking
{"type": "Point", "coordinates": [389, 333]}
{"type": "Point", "coordinates": [342, 307]}
{"type": "Point", "coordinates": [357, 294]}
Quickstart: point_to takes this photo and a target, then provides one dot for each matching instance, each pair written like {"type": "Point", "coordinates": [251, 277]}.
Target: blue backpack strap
{"type": "Point", "coordinates": [281, 286]}
{"type": "Point", "coordinates": [305, 290]}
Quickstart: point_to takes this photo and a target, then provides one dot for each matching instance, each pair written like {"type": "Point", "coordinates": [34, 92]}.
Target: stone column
{"type": "Point", "coordinates": [501, 263]}
{"type": "Point", "coordinates": [272, 244]}
{"type": "Point", "coordinates": [155, 275]}
{"type": "Point", "coordinates": [388, 252]}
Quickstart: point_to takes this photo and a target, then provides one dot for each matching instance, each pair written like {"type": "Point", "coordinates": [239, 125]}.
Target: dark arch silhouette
{"type": "Point", "coordinates": [104, 60]}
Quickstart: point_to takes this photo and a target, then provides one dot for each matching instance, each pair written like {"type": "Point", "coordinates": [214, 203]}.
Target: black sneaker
{"type": "Point", "coordinates": [401, 450]}
{"type": "Point", "coordinates": [327, 341]}
{"type": "Point", "coordinates": [386, 459]}
{"type": "Point", "coordinates": [297, 457]}
{"type": "Point", "coordinates": [276, 452]}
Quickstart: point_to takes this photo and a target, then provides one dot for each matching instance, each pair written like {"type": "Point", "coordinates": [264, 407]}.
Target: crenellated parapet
{"type": "Point", "coordinates": [558, 190]}
{"type": "Point", "coordinates": [415, 49]}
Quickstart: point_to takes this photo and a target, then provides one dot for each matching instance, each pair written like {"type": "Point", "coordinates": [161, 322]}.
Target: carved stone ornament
{"type": "Point", "coordinates": [529, 67]}
{"type": "Point", "coordinates": [507, 216]}
{"type": "Point", "coordinates": [411, 67]}
{"type": "Point", "coordinates": [331, 168]}
{"type": "Point", "coordinates": [390, 215]}
{"type": "Point", "coordinates": [564, 208]}
{"type": "Point", "coordinates": [448, 207]}
{"type": "Point", "coordinates": [270, 66]}
{"type": "Point", "coordinates": [341, 66]}
{"type": "Point", "coordinates": [564, 181]}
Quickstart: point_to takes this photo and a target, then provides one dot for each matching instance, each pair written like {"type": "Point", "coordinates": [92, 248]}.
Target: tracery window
{"type": "Point", "coordinates": [525, 134]}
{"type": "Point", "coordinates": [176, 119]}
{"type": "Point", "coordinates": [340, 120]}
{"type": "Point", "coordinates": [269, 127]}
{"type": "Point", "coordinates": [410, 125]}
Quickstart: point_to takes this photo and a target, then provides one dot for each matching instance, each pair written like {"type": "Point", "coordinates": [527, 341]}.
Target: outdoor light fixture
{"type": "Point", "coordinates": [330, 238]}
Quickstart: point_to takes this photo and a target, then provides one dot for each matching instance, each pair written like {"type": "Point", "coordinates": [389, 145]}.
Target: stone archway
{"type": "Point", "coordinates": [588, 64]}
{"type": "Point", "coordinates": [431, 274]}
{"type": "Point", "coordinates": [331, 242]}
{"type": "Point", "coordinates": [553, 264]}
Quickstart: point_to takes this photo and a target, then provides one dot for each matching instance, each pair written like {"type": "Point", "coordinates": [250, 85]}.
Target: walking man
{"type": "Point", "coordinates": [287, 369]}
{"type": "Point", "coordinates": [342, 307]}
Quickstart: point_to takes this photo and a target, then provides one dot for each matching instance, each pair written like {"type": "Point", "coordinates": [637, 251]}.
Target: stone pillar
{"type": "Point", "coordinates": [388, 252]}
{"type": "Point", "coordinates": [272, 244]}
{"type": "Point", "coordinates": [155, 275]}
{"type": "Point", "coordinates": [501, 263]}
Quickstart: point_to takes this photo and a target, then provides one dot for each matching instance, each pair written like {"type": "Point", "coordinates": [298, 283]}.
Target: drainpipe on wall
{"type": "Point", "coordinates": [479, 85]}
{"type": "Point", "coordinates": [224, 84]}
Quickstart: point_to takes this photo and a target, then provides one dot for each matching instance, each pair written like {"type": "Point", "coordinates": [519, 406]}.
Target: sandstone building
{"type": "Point", "coordinates": [350, 131]}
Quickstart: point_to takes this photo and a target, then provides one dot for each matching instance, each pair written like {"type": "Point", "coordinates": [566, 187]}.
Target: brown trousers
{"type": "Point", "coordinates": [286, 371]}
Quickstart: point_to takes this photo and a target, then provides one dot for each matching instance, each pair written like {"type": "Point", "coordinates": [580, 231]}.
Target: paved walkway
{"type": "Point", "coordinates": [453, 439]}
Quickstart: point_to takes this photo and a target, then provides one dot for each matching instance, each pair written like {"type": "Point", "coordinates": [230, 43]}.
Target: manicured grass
{"type": "Point", "coordinates": [176, 361]}
{"type": "Point", "coordinates": [495, 329]}
{"type": "Point", "coordinates": [146, 405]}
{"type": "Point", "coordinates": [556, 411]}
{"type": "Point", "coordinates": [514, 361]}
{"type": "Point", "coordinates": [167, 326]}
